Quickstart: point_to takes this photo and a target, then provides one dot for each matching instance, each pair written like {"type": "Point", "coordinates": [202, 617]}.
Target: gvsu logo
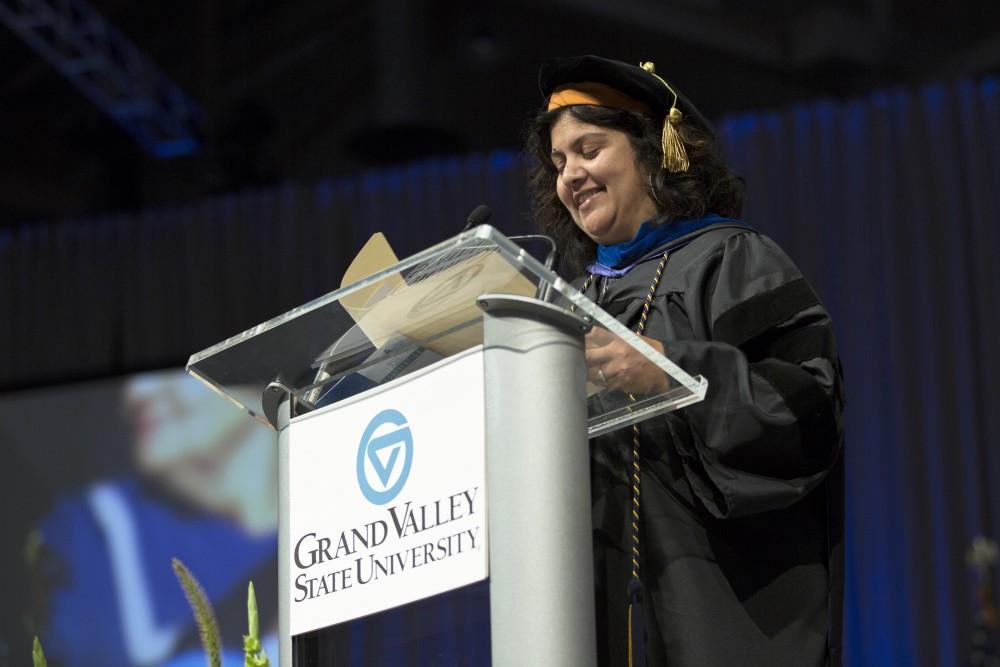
{"type": "Point", "coordinates": [384, 457]}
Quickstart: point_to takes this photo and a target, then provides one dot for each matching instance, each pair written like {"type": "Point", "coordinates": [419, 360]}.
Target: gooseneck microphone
{"type": "Point", "coordinates": [550, 258]}
{"type": "Point", "coordinates": [482, 213]}
{"type": "Point", "coordinates": [544, 291]}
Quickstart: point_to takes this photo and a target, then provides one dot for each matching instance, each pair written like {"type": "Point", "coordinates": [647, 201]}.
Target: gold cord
{"type": "Point", "coordinates": [636, 481]}
{"type": "Point", "coordinates": [675, 158]}
{"type": "Point", "coordinates": [636, 467]}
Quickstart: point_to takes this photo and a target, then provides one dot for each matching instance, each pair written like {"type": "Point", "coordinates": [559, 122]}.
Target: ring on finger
{"type": "Point", "coordinates": [600, 374]}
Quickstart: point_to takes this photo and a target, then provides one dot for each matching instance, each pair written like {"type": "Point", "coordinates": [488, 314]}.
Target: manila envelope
{"type": "Point", "coordinates": [436, 308]}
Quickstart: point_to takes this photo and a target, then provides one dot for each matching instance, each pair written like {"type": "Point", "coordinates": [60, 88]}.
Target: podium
{"type": "Point", "coordinates": [432, 423]}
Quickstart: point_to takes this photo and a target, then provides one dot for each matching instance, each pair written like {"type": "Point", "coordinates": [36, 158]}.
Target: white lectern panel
{"type": "Point", "coordinates": [387, 495]}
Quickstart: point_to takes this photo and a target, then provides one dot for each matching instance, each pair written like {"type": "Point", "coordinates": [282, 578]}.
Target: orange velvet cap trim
{"type": "Point", "coordinates": [598, 94]}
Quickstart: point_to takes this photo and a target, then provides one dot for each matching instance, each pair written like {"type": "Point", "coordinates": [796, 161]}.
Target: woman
{"type": "Point", "coordinates": [739, 530]}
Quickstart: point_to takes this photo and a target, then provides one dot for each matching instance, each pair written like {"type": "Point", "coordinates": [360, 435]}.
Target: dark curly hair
{"type": "Point", "coordinates": [706, 187]}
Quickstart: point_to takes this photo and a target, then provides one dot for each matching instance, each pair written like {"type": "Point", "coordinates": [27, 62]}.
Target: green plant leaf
{"type": "Point", "coordinates": [253, 654]}
{"type": "Point", "coordinates": [253, 620]}
{"type": "Point", "coordinates": [37, 655]}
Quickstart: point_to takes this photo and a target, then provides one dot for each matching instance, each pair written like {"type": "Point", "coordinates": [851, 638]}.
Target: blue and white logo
{"type": "Point", "coordinates": [384, 457]}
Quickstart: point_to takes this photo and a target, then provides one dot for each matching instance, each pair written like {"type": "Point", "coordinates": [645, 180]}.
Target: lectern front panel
{"type": "Point", "coordinates": [387, 498]}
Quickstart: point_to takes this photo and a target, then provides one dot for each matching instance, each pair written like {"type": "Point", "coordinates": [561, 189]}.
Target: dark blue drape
{"type": "Point", "coordinates": [888, 203]}
{"type": "Point", "coordinates": [142, 290]}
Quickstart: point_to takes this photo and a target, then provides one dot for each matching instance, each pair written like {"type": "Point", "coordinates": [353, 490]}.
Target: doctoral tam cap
{"type": "Point", "coordinates": [611, 83]}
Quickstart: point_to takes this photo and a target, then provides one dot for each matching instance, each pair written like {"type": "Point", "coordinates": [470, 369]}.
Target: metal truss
{"type": "Point", "coordinates": [110, 70]}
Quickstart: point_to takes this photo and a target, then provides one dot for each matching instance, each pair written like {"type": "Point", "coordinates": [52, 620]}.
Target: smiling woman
{"type": "Point", "coordinates": [718, 528]}
{"type": "Point", "coordinates": [599, 181]}
{"type": "Point", "coordinates": [705, 185]}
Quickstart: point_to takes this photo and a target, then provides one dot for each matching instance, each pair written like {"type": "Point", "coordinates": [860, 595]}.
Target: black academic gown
{"type": "Point", "coordinates": [742, 494]}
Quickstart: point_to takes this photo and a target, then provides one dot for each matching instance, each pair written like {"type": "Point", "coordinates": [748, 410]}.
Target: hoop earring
{"type": "Point", "coordinates": [652, 191]}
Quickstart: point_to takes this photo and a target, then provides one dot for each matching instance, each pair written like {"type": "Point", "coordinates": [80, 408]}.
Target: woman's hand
{"type": "Point", "coordinates": [613, 363]}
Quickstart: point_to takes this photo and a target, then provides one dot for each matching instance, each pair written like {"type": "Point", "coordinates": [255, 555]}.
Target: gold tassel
{"type": "Point", "coordinates": [675, 158]}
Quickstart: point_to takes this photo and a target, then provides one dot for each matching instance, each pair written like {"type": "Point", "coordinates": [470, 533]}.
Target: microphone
{"type": "Point", "coordinates": [482, 213]}
{"type": "Point", "coordinates": [544, 288]}
{"type": "Point", "coordinates": [479, 216]}
{"type": "Point", "coordinates": [550, 258]}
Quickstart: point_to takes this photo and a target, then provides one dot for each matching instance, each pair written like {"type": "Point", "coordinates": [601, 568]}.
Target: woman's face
{"type": "Point", "coordinates": [598, 180]}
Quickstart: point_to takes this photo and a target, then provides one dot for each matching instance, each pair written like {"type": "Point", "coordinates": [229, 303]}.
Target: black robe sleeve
{"type": "Point", "coordinates": [770, 427]}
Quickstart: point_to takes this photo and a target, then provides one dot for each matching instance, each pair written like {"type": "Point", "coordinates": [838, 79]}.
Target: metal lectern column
{"type": "Point", "coordinates": [538, 485]}
{"type": "Point", "coordinates": [281, 419]}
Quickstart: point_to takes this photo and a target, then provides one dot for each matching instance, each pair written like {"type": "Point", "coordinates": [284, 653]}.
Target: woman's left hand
{"type": "Point", "coordinates": [613, 363]}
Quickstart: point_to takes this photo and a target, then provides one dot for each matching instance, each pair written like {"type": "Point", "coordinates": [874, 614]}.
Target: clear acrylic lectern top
{"type": "Point", "coordinates": [409, 315]}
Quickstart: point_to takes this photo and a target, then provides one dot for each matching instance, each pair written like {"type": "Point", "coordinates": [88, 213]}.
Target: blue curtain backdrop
{"type": "Point", "coordinates": [888, 203]}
